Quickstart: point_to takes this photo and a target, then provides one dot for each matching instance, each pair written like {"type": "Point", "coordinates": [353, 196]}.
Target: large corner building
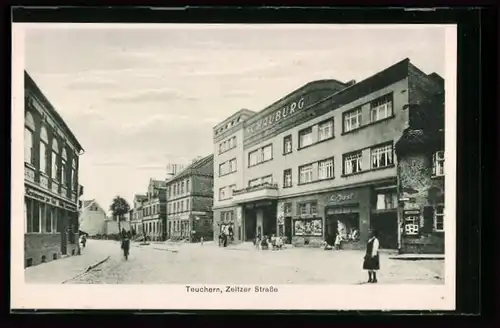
{"type": "Point", "coordinates": [52, 192]}
{"type": "Point", "coordinates": [318, 161]}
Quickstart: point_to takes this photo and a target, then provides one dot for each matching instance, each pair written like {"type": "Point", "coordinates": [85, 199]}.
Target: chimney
{"type": "Point", "coordinates": [350, 83]}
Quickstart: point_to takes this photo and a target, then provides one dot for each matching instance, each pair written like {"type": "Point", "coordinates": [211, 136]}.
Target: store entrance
{"type": "Point", "coordinates": [386, 224]}
{"type": "Point", "coordinates": [288, 230]}
{"type": "Point", "coordinates": [250, 224]}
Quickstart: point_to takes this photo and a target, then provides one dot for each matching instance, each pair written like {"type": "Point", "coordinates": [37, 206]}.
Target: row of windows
{"type": "Point", "coordinates": [179, 206]}
{"type": "Point", "coordinates": [380, 109]}
{"type": "Point", "coordinates": [179, 226]}
{"type": "Point", "coordinates": [41, 218]}
{"type": "Point", "coordinates": [382, 156]}
{"type": "Point", "coordinates": [53, 161]}
{"type": "Point", "coordinates": [385, 201]}
{"type": "Point", "coordinates": [412, 224]}
{"type": "Point", "coordinates": [153, 227]}
{"type": "Point", "coordinates": [180, 188]}
{"type": "Point", "coordinates": [227, 144]}
{"type": "Point", "coordinates": [227, 167]}
{"type": "Point", "coordinates": [226, 216]}
{"type": "Point", "coordinates": [151, 210]}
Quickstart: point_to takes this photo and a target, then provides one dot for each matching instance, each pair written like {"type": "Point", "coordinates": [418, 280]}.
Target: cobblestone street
{"type": "Point", "coordinates": [193, 263]}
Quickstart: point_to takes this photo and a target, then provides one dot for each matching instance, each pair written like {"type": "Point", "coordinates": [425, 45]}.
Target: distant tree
{"type": "Point", "coordinates": [119, 207]}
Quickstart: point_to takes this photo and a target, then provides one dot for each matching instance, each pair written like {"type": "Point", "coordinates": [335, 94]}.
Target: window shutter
{"type": "Point", "coordinates": [428, 219]}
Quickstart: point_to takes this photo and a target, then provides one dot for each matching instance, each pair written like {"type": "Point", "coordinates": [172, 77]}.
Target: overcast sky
{"type": "Point", "coordinates": [138, 98]}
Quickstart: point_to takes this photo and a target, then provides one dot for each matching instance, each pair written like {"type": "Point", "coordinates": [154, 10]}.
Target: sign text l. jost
{"type": "Point", "coordinates": [278, 115]}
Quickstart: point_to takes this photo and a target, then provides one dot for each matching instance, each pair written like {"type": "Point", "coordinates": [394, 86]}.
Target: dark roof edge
{"type": "Point", "coordinates": [192, 166]}
{"type": "Point", "coordinates": [51, 108]}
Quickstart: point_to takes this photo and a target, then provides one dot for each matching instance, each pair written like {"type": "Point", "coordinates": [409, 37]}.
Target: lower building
{"type": "Point", "coordinates": [310, 219]}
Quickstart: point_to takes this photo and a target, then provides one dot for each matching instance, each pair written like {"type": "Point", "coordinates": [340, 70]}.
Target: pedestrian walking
{"type": "Point", "coordinates": [371, 261]}
{"type": "Point", "coordinates": [201, 240]}
{"type": "Point", "coordinates": [125, 243]}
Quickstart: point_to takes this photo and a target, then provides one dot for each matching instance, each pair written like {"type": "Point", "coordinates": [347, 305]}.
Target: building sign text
{"type": "Point", "coordinates": [277, 116]}
{"type": "Point", "coordinates": [341, 197]}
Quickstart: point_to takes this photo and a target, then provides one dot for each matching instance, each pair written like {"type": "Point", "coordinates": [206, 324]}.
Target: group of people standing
{"type": "Point", "coordinates": [273, 242]}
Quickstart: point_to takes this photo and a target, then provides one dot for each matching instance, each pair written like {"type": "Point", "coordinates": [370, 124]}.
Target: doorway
{"type": "Point", "coordinates": [386, 225]}
{"type": "Point", "coordinates": [288, 230]}
{"type": "Point", "coordinates": [250, 224]}
{"type": "Point", "coordinates": [269, 220]}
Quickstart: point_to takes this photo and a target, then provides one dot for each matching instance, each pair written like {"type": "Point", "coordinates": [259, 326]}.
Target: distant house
{"type": "Point", "coordinates": [92, 218]}
{"type": "Point", "coordinates": [190, 201]}
{"type": "Point", "coordinates": [154, 211]}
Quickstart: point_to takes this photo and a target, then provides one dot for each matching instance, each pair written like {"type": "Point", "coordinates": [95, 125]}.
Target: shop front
{"type": "Point", "coordinates": [51, 227]}
{"type": "Point", "coordinates": [260, 218]}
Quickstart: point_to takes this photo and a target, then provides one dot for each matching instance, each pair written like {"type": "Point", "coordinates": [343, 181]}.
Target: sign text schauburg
{"type": "Point", "coordinates": [278, 115]}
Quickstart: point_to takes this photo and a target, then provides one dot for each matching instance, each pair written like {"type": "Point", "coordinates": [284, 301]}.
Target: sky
{"type": "Point", "coordinates": [138, 98]}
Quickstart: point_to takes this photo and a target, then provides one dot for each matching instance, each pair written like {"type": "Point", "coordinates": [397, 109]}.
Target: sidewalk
{"type": "Point", "coordinates": [59, 271]}
{"type": "Point", "coordinates": [416, 257]}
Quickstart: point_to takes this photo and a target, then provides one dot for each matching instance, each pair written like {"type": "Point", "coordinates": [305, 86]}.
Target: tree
{"type": "Point", "coordinates": [119, 207]}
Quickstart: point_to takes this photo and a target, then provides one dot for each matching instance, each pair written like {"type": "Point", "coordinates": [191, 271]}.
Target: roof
{"type": "Point", "coordinates": [193, 166]}
{"type": "Point", "coordinates": [139, 196]}
{"type": "Point", "coordinates": [88, 202]}
{"type": "Point", "coordinates": [31, 83]}
{"type": "Point", "coordinates": [159, 183]}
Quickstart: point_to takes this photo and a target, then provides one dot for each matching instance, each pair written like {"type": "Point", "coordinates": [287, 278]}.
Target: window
{"type": "Point", "coordinates": [29, 128]}
{"type": "Point", "coordinates": [288, 209]}
{"type": "Point", "coordinates": [412, 224]}
{"type": "Point", "coordinates": [44, 142]}
{"type": "Point", "coordinates": [386, 201]}
{"type": "Point", "coordinates": [267, 179]}
{"type": "Point", "coordinates": [187, 185]}
{"type": "Point", "coordinates": [169, 208]}
{"type": "Point", "coordinates": [64, 159]}
{"type": "Point", "coordinates": [254, 182]}
{"type": "Point", "coordinates": [287, 178]}
{"type": "Point", "coordinates": [305, 173]}
{"type": "Point", "coordinates": [187, 205]}
{"type": "Point", "coordinates": [439, 218]}
{"type": "Point", "coordinates": [254, 157]}
{"type": "Point", "coordinates": [305, 137]}
{"type": "Point", "coordinates": [325, 130]}
{"type": "Point", "coordinates": [267, 153]}
{"type": "Point", "coordinates": [352, 120]}
{"type": "Point", "coordinates": [232, 165]}
{"type": "Point", "coordinates": [260, 155]}
{"type": "Point", "coordinates": [287, 144]}
{"type": "Point", "coordinates": [325, 169]}
{"type": "Point", "coordinates": [182, 206]}
{"type": "Point", "coordinates": [175, 207]}
{"type": "Point", "coordinates": [231, 189]}
{"type": "Point", "coordinates": [382, 156]}
{"type": "Point", "coordinates": [381, 108]}
{"type": "Point", "coordinates": [352, 163]}
{"type": "Point", "coordinates": [227, 144]}
{"type": "Point", "coordinates": [308, 208]}
{"type": "Point", "coordinates": [222, 193]}
{"type": "Point", "coordinates": [73, 173]}
{"type": "Point", "coordinates": [50, 221]}
{"type": "Point", "coordinates": [182, 188]}
{"type": "Point", "coordinates": [438, 163]}
{"type": "Point", "coordinates": [175, 190]}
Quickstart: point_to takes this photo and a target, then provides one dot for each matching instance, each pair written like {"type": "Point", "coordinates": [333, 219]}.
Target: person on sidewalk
{"type": "Point", "coordinates": [371, 261]}
{"type": "Point", "coordinates": [338, 241]}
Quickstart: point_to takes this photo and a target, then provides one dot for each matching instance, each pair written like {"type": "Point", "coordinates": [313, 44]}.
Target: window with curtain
{"type": "Point", "coordinates": [44, 146]}
{"type": "Point", "coordinates": [29, 128]}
